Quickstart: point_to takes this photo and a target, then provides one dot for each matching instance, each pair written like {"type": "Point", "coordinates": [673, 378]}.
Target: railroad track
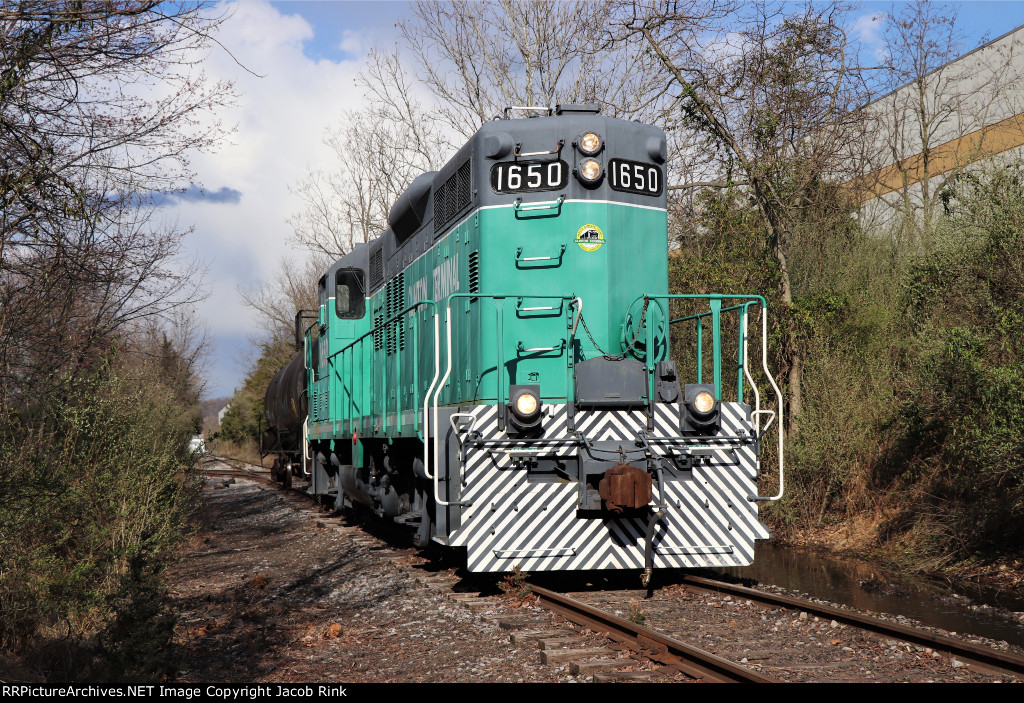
{"type": "Point", "coordinates": [672, 654]}
{"type": "Point", "coordinates": [644, 643]}
{"type": "Point", "coordinates": [695, 663]}
{"type": "Point", "coordinates": [978, 656]}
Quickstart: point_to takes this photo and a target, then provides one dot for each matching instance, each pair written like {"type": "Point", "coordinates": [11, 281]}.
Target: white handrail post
{"type": "Point", "coordinates": [778, 395]}
{"type": "Point", "coordinates": [437, 395]}
{"type": "Point", "coordinates": [426, 396]}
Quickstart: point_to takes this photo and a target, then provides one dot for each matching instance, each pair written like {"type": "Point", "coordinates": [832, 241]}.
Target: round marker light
{"type": "Point", "coordinates": [704, 403]}
{"type": "Point", "coordinates": [590, 143]}
{"type": "Point", "coordinates": [526, 404]}
{"type": "Point", "coordinates": [590, 170]}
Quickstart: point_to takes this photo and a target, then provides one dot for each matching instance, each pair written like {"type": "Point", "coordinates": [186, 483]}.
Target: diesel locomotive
{"type": "Point", "coordinates": [493, 371]}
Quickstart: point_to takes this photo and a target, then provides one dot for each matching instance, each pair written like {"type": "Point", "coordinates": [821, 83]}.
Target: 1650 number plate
{"type": "Point", "coordinates": [634, 177]}
{"type": "Point", "coordinates": [528, 176]}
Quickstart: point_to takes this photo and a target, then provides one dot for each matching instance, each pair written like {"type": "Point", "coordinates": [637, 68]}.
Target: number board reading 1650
{"type": "Point", "coordinates": [527, 176]}
{"type": "Point", "coordinates": [634, 177]}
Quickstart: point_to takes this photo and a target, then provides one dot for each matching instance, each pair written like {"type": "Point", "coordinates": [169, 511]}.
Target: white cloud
{"type": "Point", "coordinates": [869, 30]}
{"type": "Point", "coordinates": [280, 120]}
{"type": "Point", "coordinates": [355, 43]}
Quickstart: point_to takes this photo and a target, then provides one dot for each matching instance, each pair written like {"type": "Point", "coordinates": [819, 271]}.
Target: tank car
{"type": "Point", "coordinates": [285, 408]}
{"type": "Point", "coordinates": [492, 372]}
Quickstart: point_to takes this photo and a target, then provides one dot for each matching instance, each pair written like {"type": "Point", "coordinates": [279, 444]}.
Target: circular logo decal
{"type": "Point", "coordinates": [589, 237]}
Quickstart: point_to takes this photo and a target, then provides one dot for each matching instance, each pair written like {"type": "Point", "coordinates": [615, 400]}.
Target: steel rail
{"type": "Point", "coordinates": [979, 656]}
{"type": "Point", "coordinates": [655, 645]}
{"type": "Point", "coordinates": [255, 473]}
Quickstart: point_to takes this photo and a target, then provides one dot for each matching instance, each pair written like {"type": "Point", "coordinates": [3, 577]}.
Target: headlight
{"type": "Point", "coordinates": [590, 170]}
{"type": "Point", "coordinates": [590, 143]}
{"type": "Point", "coordinates": [527, 404]}
{"type": "Point", "coordinates": [704, 403]}
{"type": "Point", "coordinates": [703, 412]}
{"type": "Point", "coordinates": [524, 404]}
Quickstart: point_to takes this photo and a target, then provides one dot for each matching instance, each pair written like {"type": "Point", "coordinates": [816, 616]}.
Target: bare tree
{"type": "Point", "coordinates": [100, 104]}
{"type": "Point", "coordinates": [477, 58]}
{"type": "Point", "coordinates": [941, 114]}
{"type": "Point", "coordinates": [293, 288]}
{"type": "Point", "coordinates": [462, 64]}
{"type": "Point", "coordinates": [768, 92]}
{"type": "Point", "coordinates": [377, 159]}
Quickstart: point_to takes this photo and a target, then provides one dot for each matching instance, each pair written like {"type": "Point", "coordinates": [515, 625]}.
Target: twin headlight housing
{"type": "Point", "coordinates": [589, 171]}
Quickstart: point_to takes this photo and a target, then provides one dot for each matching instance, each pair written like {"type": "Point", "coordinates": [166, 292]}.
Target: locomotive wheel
{"type": "Point", "coordinates": [286, 477]}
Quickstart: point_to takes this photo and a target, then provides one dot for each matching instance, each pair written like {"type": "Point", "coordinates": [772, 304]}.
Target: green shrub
{"type": "Point", "coordinates": [959, 427]}
{"type": "Point", "coordinates": [97, 494]}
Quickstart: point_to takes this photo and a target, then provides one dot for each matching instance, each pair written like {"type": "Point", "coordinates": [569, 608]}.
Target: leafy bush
{"type": "Point", "coordinates": [959, 428]}
{"type": "Point", "coordinates": [96, 495]}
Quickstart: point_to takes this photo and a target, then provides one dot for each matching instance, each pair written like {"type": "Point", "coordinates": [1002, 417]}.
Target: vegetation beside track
{"type": "Point", "coordinates": [908, 447]}
{"type": "Point", "coordinates": [97, 493]}
{"type": "Point", "coordinates": [99, 355]}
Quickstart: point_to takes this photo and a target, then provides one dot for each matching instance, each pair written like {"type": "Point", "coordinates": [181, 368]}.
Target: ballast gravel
{"type": "Point", "coordinates": [271, 590]}
{"type": "Point", "coordinates": [266, 595]}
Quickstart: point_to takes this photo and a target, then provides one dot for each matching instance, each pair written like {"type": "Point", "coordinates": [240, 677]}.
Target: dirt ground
{"type": "Point", "coordinates": [272, 590]}
{"type": "Point", "coordinates": [269, 591]}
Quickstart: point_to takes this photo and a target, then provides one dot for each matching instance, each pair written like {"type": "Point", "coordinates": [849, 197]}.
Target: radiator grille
{"type": "Point", "coordinates": [376, 267]}
{"type": "Point", "coordinates": [474, 272]}
{"type": "Point", "coordinates": [452, 197]}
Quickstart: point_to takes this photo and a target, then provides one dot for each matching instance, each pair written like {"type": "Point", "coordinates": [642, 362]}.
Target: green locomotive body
{"type": "Point", "coordinates": [492, 371]}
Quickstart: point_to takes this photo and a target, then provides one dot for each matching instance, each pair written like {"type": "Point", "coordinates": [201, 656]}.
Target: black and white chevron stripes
{"type": "Point", "coordinates": [515, 522]}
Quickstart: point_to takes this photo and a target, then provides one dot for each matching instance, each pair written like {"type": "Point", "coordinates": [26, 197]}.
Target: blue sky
{"type": "Point", "coordinates": [337, 24]}
{"type": "Point", "coordinates": [307, 55]}
{"type": "Point", "coordinates": [334, 21]}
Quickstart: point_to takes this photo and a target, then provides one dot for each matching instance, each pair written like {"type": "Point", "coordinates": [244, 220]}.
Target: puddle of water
{"type": "Point", "coordinates": [864, 586]}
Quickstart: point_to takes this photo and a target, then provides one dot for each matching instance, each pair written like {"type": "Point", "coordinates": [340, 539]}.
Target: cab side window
{"type": "Point", "coordinates": [349, 299]}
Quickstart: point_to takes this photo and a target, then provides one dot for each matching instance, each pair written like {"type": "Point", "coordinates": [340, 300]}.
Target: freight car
{"type": "Point", "coordinates": [493, 371]}
{"type": "Point", "coordinates": [285, 408]}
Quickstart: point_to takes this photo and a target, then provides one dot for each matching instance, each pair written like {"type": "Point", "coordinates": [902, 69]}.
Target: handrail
{"type": "Point", "coordinates": [756, 415]}
{"type": "Point", "coordinates": [533, 108]}
{"type": "Point", "coordinates": [499, 375]}
{"type": "Point", "coordinates": [382, 325]}
{"type": "Point", "coordinates": [525, 259]}
{"type": "Point", "coordinates": [437, 369]}
{"type": "Point", "coordinates": [426, 398]}
{"type": "Point", "coordinates": [579, 312]}
{"type": "Point", "coordinates": [719, 297]}
{"type": "Point", "coordinates": [437, 433]}
{"type": "Point", "coordinates": [517, 205]}
{"type": "Point", "coordinates": [778, 394]}
{"type": "Point", "coordinates": [523, 350]}
{"type": "Point", "coordinates": [705, 314]}
{"type": "Point", "coordinates": [519, 145]}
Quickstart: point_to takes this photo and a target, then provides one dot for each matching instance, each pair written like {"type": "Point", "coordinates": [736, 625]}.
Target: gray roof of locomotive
{"type": "Point", "coordinates": [495, 142]}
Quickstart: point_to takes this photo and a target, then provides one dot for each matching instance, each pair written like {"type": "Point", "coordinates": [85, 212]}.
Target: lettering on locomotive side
{"type": "Point", "coordinates": [446, 278]}
{"type": "Point", "coordinates": [417, 292]}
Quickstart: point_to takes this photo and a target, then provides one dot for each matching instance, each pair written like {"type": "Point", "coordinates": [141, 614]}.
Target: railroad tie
{"type": "Point", "coordinates": [559, 656]}
{"type": "Point", "coordinates": [533, 637]}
